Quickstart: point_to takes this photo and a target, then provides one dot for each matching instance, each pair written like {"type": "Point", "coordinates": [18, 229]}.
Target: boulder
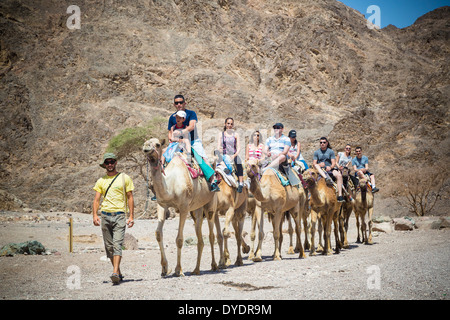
{"type": "Point", "coordinates": [403, 224]}
{"type": "Point", "coordinates": [130, 242]}
{"type": "Point", "coordinates": [29, 247]}
{"type": "Point", "coordinates": [386, 227]}
{"type": "Point", "coordinates": [432, 223]}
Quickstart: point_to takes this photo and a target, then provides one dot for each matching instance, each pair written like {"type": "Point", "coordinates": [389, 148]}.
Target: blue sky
{"type": "Point", "coordinates": [400, 13]}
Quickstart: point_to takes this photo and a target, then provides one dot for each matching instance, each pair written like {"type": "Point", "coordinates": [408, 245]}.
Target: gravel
{"type": "Point", "coordinates": [399, 265]}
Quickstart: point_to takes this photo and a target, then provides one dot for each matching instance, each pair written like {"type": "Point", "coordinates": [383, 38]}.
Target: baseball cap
{"type": "Point", "coordinates": [292, 134]}
{"type": "Point", "coordinates": [181, 114]}
{"type": "Point", "coordinates": [278, 125]}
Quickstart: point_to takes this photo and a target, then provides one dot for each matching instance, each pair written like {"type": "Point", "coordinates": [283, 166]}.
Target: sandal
{"type": "Point", "coordinates": [115, 278]}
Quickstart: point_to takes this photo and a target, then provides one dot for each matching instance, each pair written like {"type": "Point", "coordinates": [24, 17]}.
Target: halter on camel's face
{"type": "Point", "coordinates": [253, 169]}
{"type": "Point", "coordinates": [310, 176]}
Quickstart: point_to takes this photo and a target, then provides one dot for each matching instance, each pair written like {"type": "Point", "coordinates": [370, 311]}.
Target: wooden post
{"type": "Point", "coordinates": [71, 235]}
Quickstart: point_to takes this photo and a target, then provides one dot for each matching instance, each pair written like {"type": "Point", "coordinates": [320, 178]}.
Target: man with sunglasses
{"type": "Point", "coordinates": [190, 131]}
{"type": "Point", "coordinates": [324, 160]}
{"type": "Point", "coordinates": [116, 197]}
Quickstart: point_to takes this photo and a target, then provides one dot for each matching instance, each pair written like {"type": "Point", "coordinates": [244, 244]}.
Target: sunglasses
{"type": "Point", "coordinates": [178, 102]}
{"type": "Point", "coordinates": [109, 162]}
{"type": "Point", "coordinates": [277, 127]}
{"type": "Point", "coordinates": [323, 142]}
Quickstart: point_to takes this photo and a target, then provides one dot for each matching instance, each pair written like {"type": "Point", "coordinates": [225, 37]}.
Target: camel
{"type": "Point", "coordinates": [233, 205]}
{"type": "Point", "coordinates": [175, 188]}
{"type": "Point", "coordinates": [324, 205]}
{"type": "Point", "coordinates": [363, 206]}
{"type": "Point", "coordinates": [274, 199]}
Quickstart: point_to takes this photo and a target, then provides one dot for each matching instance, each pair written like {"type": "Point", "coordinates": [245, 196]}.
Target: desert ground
{"type": "Point", "coordinates": [398, 265]}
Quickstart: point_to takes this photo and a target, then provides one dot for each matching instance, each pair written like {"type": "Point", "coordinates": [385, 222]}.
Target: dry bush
{"type": "Point", "coordinates": [421, 191]}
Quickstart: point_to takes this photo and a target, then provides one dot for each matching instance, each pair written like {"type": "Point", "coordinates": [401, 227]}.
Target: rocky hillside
{"type": "Point", "coordinates": [312, 64]}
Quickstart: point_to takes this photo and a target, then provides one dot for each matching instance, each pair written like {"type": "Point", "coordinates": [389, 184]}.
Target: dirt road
{"type": "Point", "coordinates": [399, 265]}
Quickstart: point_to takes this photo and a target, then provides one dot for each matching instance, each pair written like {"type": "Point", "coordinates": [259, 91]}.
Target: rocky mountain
{"type": "Point", "coordinates": [314, 65]}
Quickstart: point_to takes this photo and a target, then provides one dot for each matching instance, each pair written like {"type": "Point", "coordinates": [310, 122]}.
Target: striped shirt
{"type": "Point", "coordinates": [255, 152]}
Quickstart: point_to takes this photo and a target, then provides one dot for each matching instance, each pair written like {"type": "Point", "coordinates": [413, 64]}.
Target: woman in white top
{"type": "Point", "coordinates": [344, 159]}
{"type": "Point", "coordinates": [295, 151]}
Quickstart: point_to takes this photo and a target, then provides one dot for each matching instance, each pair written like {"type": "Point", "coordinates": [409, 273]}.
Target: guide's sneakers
{"type": "Point", "coordinates": [340, 199]}
{"type": "Point", "coordinates": [375, 190]}
{"type": "Point", "coordinates": [239, 189]}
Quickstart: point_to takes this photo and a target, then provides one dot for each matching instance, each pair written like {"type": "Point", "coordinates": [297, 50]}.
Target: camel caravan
{"type": "Point", "coordinates": [273, 180]}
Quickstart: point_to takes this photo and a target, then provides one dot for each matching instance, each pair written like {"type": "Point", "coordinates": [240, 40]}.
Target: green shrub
{"type": "Point", "coordinates": [130, 140]}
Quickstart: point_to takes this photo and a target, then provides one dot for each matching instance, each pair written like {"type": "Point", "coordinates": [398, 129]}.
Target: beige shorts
{"type": "Point", "coordinates": [113, 229]}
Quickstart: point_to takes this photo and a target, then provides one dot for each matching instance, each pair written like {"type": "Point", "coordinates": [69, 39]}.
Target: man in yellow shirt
{"type": "Point", "coordinates": [113, 187]}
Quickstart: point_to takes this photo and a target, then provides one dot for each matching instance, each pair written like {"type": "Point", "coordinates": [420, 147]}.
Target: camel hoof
{"type": "Point", "coordinates": [291, 250]}
{"type": "Point", "coordinates": [196, 272]}
{"type": "Point", "coordinates": [222, 266]}
{"type": "Point", "coordinates": [245, 250]}
{"type": "Point", "coordinates": [257, 259]}
{"type": "Point", "coordinates": [302, 256]}
{"type": "Point", "coordinates": [239, 263]}
{"type": "Point", "coordinates": [251, 256]}
{"type": "Point", "coordinates": [165, 272]}
{"type": "Point", "coordinates": [178, 273]}
{"type": "Point", "coordinates": [214, 267]}
{"type": "Point", "coordinates": [313, 253]}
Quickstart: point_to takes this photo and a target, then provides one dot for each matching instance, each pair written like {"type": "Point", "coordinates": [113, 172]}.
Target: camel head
{"type": "Point", "coordinates": [253, 168]}
{"type": "Point", "coordinates": [310, 177]}
{"type": "Point", "coordinates": [152, 149]}
{"type": "Point", "coordinates": [363, 183]}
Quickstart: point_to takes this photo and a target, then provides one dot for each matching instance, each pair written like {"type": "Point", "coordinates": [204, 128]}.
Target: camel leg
{"type": "Point", "coordinates": [298, 231]}
{"type": "Point", "coordinates": [211, 222]}
{"type": "Point", "coordinates": [226, 234]}
{"type": "Point", "coordinates": [369, 240]}
{"type": "Point", "coordinates": [320, 247]}
{"type": "Point", "coordinates": [238, 226]}
{"type": "Point", "coordinates": [291, 234]}
{"type": "Point", "coordinates": [245, 246]}
{"type": "Point", "coordinates": [259, 213]}
{"type": "Point", "coordinates": [200, 244]}
{"type": "Point", "coordinates": [358, 239]}
{"type": "Point", "coordinates": [228, 218]}
{"type": "Point", "coordinates": [364, 227]}
{"type": "Point", "coordinates": [252, 236]}
{"type": "Point", "coordinates": [161, 213]}
{"type": "Point", "coordinates": [179, 241]}
{"type": "Point", "coordinates": [312, 251]}
{"type": "Point", "coordinates": [277, 235]}
{"type": "Point", "coordinates": [346, 218]}
{"type": "Point", "coordinates": [239, 217]}
{"type": "Point", "coordinates": [306, 228]}
{"type": "Point", "coordinates": [220, 242]}
{"type": "Point", "coordinates": [336, 233]}
{"type": "Point", "coordinates": [327, 220]}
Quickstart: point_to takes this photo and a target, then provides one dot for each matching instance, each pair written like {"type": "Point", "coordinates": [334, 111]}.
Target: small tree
{"type": "Point", "coordinates": [422, 191]}
{"type": "Point", "coordinates": [127, 144]}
